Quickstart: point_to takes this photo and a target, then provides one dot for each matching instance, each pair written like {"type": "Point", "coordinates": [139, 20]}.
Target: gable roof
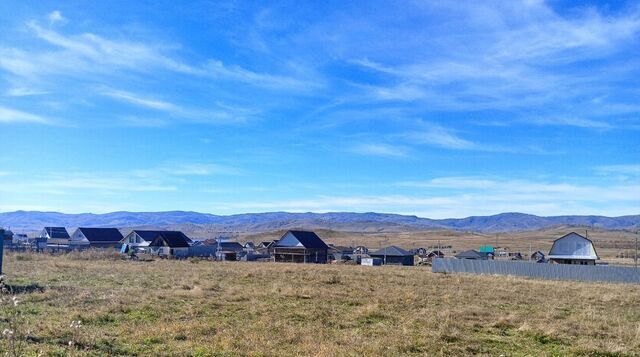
{"type": "Point", "coordinates": [307, 239]}
{"type": "Point", "coordinates": [267, 244]}
{"type": "Point", "coordinates": [573, 246]}
{"type": "Point", "coordinates": [173, 239]}
{"type": "Point", "coordinates": [469, 254]}
{"type": "Point", "coordinates": [57, 232]}
{"type": "Point", "coordinates": [150, 235]}
{"type": "Point", "coordinates": [97, 235]}
{"type": "Point", "coordinates": [392, 251]}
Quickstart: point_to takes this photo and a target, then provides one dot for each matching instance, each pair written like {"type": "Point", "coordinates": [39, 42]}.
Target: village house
{"type": "Point", "coordinates": [95, 238]}
{"type": "Point", "coordinates": [170, 243]}
{"type": "Point", "coordinates": [140, 239]}
{"type": "Point", "coordinates": [300, 247]}
{"type": "Point", "coordinates": [57, 237]}
{"type": "Point", "coordinates": [340, 253]}
{"type": "Point", "coordinates": [393, 255]}
{"type": "Point", "coordinates": [228, 250]}
{"type": "Point", "coordinates": [433, 254]}
{"type": "Point", "coordinates": [573, 248]}
{"type": "Point", "coordinates": [249, 247]}
{"type": "Point", "coordinates": [266, 247]}
{"type": "Point", "coordinates": [471, 255]}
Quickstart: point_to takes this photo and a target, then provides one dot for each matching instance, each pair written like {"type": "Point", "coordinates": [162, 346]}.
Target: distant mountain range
{"type": "Point", "coordinates": [341, 221]}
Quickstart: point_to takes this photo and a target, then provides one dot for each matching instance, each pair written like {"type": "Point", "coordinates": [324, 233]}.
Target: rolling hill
{"type": "Point", "coordinates": [341, 221]}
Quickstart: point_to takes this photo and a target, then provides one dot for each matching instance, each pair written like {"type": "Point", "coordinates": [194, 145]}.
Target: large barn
{"type": "Point", "coordinates": [300, 247]}
{"type": "Point", "coordinates": [573, 249]}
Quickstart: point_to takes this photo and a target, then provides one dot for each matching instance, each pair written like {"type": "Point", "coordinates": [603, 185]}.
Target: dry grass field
{"type": "Point", "coordinates": [204, 308]}
{"type": "Point", "coordinates": [609, 244]}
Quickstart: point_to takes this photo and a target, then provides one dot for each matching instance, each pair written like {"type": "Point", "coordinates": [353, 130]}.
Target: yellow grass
{"type": "Point", "coordinates": [204, 308]}
{"type": "Point", "coordinates": [609, 244]}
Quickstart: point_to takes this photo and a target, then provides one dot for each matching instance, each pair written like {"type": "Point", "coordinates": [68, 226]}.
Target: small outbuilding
{"type": "Point", "coordinates": [488, 251]}
{"type": "Point", "coordinates": [300, 247]}
{"type": "Point", "coordinates": [393, 255]}
{"type": "Point", "coordinates": [538, 256]}
{"type": "Point", "coordinates": [471, 255]}
{"type": "Point", "coordinates": [371, 261]}
{"type": "Point", "coordinates": [573, 248]}
{"type": "Point", "coordinates": [96, 238]}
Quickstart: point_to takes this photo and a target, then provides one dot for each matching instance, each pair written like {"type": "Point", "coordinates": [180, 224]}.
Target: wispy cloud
{"type": "Point", "coordinates": [56, 17]}
{"type": "Point", "coordinates": [24, 92]}
{"type": "Point", "coordinates": [141, 101]}
{"type": "Point", "coordinates": [447, 197]}
{"type": "Point", "coordinates": [378, 149]}
{"type": "Point", "coordinates": [436, 135]}
{"type": "Point", "coordinates": [628, 169]}
{"type": "Point", "coordinates": [218, 114]}
{"type": "Point", "coordinates": [505, 56]}
{"type": "Point", "coordinates": [9, 115]}
{"type": "Point", "coordinates": [237, 73]}
{"type": "Point", "coordinates": [568, 121]}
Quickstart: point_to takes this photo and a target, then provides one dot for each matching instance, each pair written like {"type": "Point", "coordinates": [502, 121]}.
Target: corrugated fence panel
{"type": "Point", "coordinates": [603, 273]}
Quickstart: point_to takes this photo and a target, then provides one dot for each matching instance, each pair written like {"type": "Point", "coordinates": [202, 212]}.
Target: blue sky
{"type": "Point", "coordinates": [439, 109]}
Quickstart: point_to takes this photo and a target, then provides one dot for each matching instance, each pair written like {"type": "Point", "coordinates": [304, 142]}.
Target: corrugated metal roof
{"type": "Point", "coordinates": [573, 246]}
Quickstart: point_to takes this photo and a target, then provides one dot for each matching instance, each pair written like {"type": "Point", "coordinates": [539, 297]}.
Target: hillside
{"type": "Point", "coordinates": [340, 221]}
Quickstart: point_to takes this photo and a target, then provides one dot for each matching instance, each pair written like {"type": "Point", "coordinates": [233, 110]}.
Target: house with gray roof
{"type": "Point", "coordinates": [471, 254]}
{"type": "Point", "coordinates": [393, 255]}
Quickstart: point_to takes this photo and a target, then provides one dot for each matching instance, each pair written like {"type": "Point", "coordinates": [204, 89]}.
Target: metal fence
{"type": "Point", "coordinates": [601, 273]}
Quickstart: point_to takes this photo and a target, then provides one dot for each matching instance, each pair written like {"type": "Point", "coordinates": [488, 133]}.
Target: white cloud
{"type": "Point", "coordinates": [24, 91]}
{"type": "Point", "coordinates": [379, 149]}
{"type": "Point", "coordinates": [9, 115]}
{"type": "Point", "coordinates": [437, 135]}
{"type": "Point", "coordinates": [501, 55]}
{"type": "Point", "coordinates": [141, 101]}
{"type": "Point", "coordinates": [628, 169]}
{"type": "Point", "coordinates": [56, 17]}
{"type": "Point", "coordinates": [218, 114]}
{"type": "Point", "coordinates": [448, 197]}
{"type": "Point", "coordinates": [568, 121]}
{"type": "Point", "coordinates": [237, 73]}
